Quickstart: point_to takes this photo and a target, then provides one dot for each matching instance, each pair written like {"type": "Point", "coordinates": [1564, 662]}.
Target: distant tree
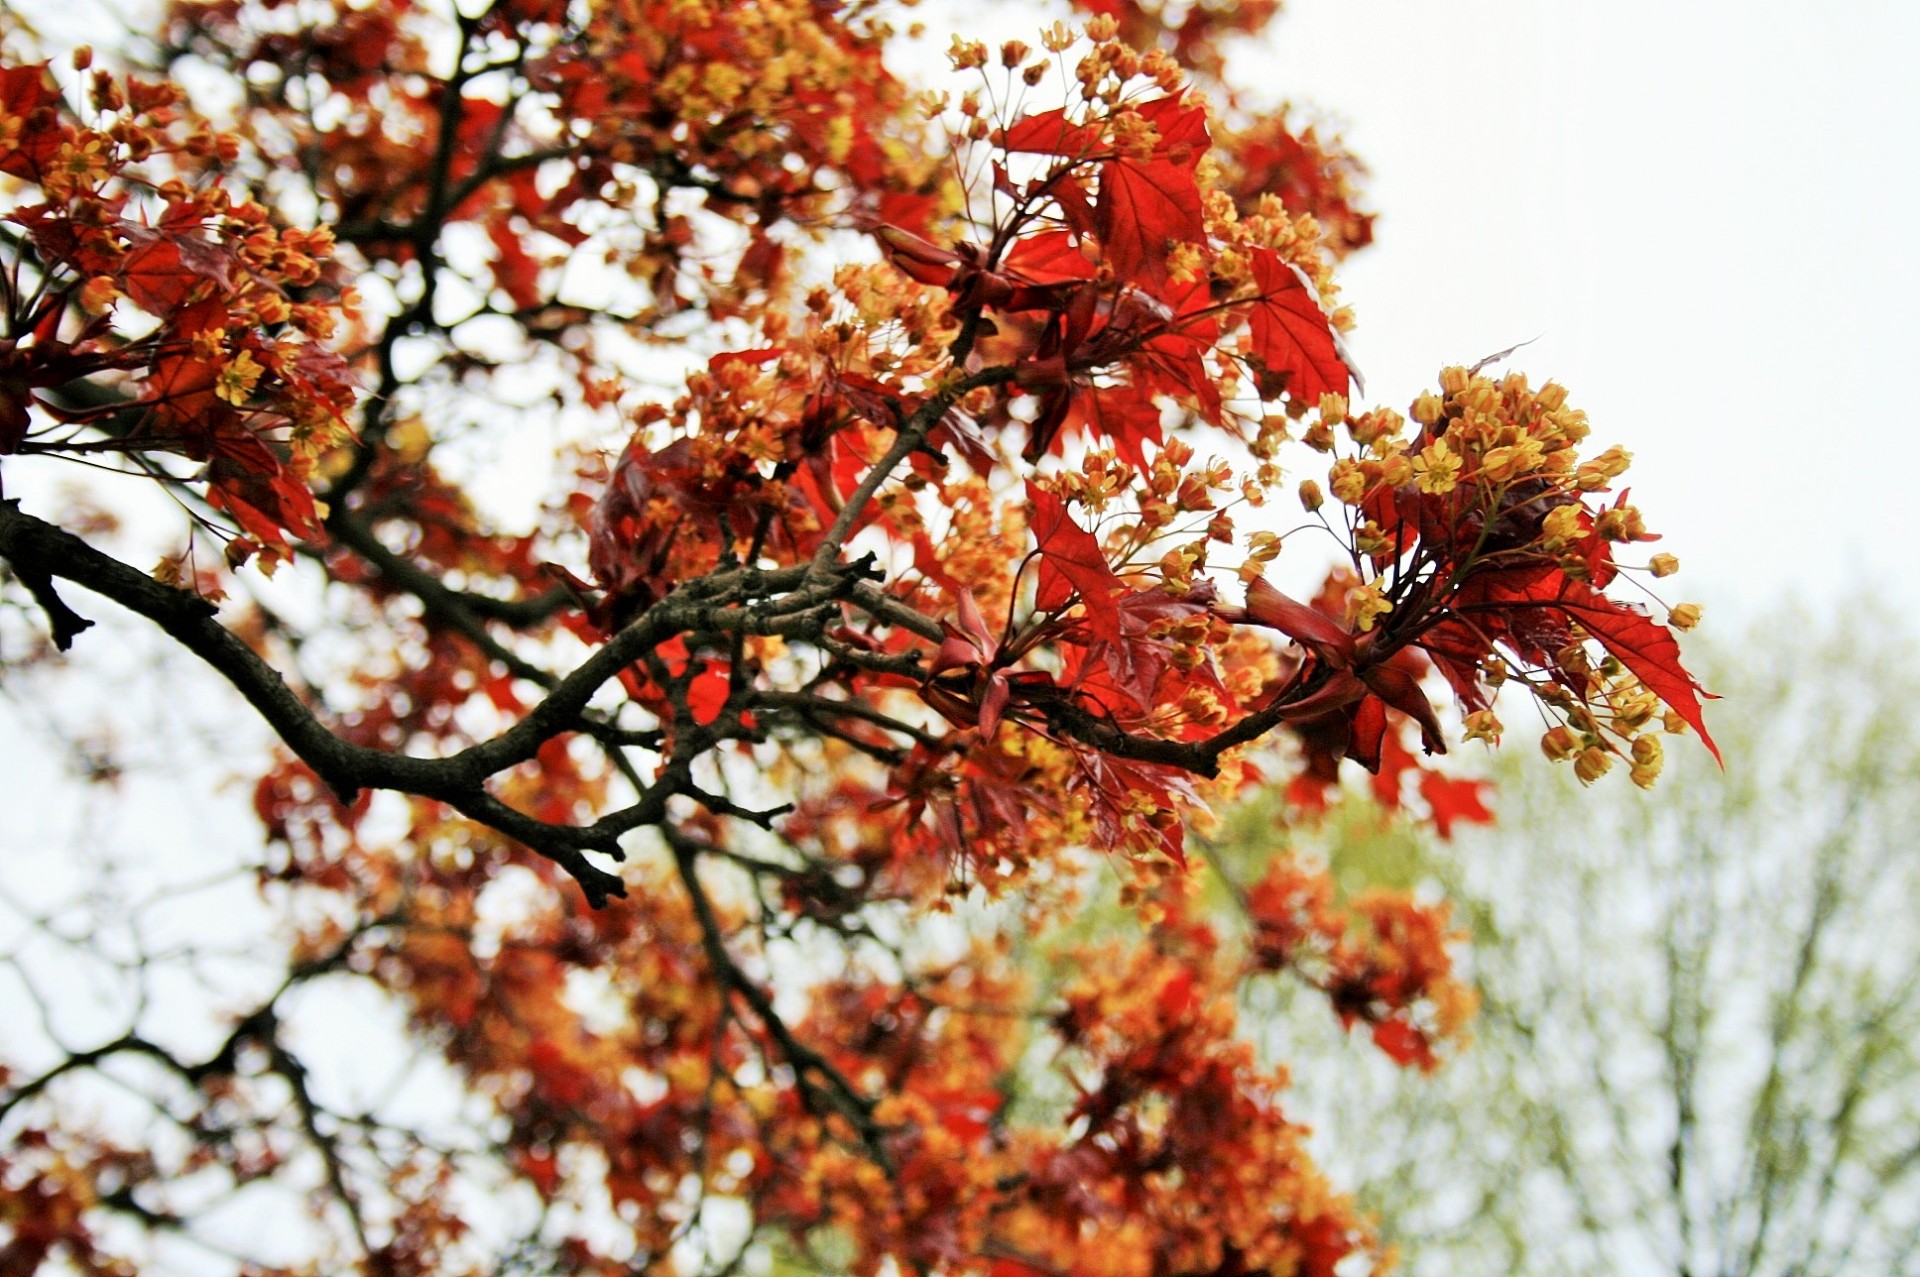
{"type": "Point", "coordinates": [1699, 1045]}
{"type": "Point", "coordinates": [717, 548]}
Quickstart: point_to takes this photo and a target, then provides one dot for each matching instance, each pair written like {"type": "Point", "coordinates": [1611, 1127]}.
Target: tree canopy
{"type": "Point", "coordinates": [730, 545]}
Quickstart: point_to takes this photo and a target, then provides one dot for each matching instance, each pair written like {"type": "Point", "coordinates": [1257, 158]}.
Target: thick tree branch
{"type": "Point", "coordinates": [797, 603]}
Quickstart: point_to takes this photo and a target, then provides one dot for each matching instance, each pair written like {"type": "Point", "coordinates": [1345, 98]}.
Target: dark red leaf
{"type": "Point", "coordinates": [1125, 416]}
{"type": "Point", "coordinates": [1182, 129]}
{"type": "Point", "coordinates": [707, 692]}
{"type": "Point", "coordinates": [155, 277]}
{"type": "Point", "coordinates": [1401, 690]}
{"type": "Point", "coordinates": [25, 92]}
{"type": "Point", "coordinates": [514, 269]}
{"type": "Point", "coordinates": [181, 386]}
{"type": "Point", "coordinates": [1071, 562]}
{"type": "Point", "coordinates": [1304, 625]}
{"type": "Point", "coordinates": [1368, 729]}
{"type": "Point", "coordinates": [1052, 257]}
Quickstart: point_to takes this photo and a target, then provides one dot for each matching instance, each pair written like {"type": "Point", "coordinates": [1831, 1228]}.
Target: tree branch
{"type": "Point", "coordinates": [797, 602]}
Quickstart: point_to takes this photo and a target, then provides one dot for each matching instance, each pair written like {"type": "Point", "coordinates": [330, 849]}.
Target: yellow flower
{"type": "Point", "coordinates": [1684, 616]}
{"type": "Point", "coordinates": [1648, 757]}
{"type": "Point", "coordinates": [1366, 604]}
{"type": "Point", "coordinates": [1511, 461]}
{"type": "Point", "coordinates": [1664, 564]}
{"type": "Point", "coordinates": [1185, 261]}
{"type": "Point", "coordinates": [98, 294]}
{"type": "Point", "coordinates": [1561, 526]}
{"type": "Point", "coordinates": [1396, 470]}
{"type": "Point", "coordinates": [1437, 468]}
{"type": "Point", "coordinates": [1621, 523]}
{"type": "Point", "coordinates": [1347, 481]}
{"type": "Point", "coordinates": [1603, 469]}
{"type": "Point", "coordinates": [237, 378]}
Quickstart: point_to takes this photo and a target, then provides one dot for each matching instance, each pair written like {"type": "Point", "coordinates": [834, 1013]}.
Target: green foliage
{"type": "Point", "coordinates": [1696, 1050]}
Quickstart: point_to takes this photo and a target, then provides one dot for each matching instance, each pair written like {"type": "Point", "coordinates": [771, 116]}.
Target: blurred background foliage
{"type": "Point", "coordinates": [1696, 1051]}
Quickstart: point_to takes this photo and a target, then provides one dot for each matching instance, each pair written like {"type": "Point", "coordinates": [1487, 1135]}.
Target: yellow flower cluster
{"type": "Point", "coordinates": [1497, 476]}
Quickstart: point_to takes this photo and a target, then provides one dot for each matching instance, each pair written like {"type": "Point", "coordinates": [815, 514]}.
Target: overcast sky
{"type": "Point", "coordinates": [1705, 214]}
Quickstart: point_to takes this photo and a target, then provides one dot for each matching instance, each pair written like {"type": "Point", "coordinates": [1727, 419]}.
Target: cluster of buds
{"type": "Point", "coordinates": [1487, 517]}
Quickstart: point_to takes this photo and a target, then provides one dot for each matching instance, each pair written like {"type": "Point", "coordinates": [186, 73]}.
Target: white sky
{"type": "Point", "coordinates": [1703, 210]}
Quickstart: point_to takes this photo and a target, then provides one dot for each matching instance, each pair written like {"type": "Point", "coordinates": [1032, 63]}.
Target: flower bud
{"type": "Point", "coordinates": [1592, 764]}
{"type": "Point", "coordinates": [1482, 725]}
{"type": "Point", "coordinates": [966, 54]}
{"type": "Point", "coordinates": [1347, 481]}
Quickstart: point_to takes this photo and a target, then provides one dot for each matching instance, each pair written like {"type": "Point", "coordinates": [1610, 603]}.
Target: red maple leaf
{"type": "Point", "coordinates": [1148, 204]}
{"type": "Point", "coordinates": [1071, 563]}
{"type": "Point", "coordinates": [1051, 133]}
{"type": "Point", "coordinates": [29, 95]}
{"type": "Point", "coordinates": [1111, 787]}
{"type": "Point", "coordinates": [1051, 257]}
{"type": "Point", "coordinates": [1404, 1044]}
{"type": "Point", "coordinates": [1291, 336]}
{"type": "Point", "coordinates": [1643, 646]}
{"type": "Point", "coordinates": [1142, 211]}
{"type": "Point", "coordinates": [708, 691]}
{"type": "Point", "coordinates": [1126, 416]}
{"type": "Point", "coordinates": [1452, 799]}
